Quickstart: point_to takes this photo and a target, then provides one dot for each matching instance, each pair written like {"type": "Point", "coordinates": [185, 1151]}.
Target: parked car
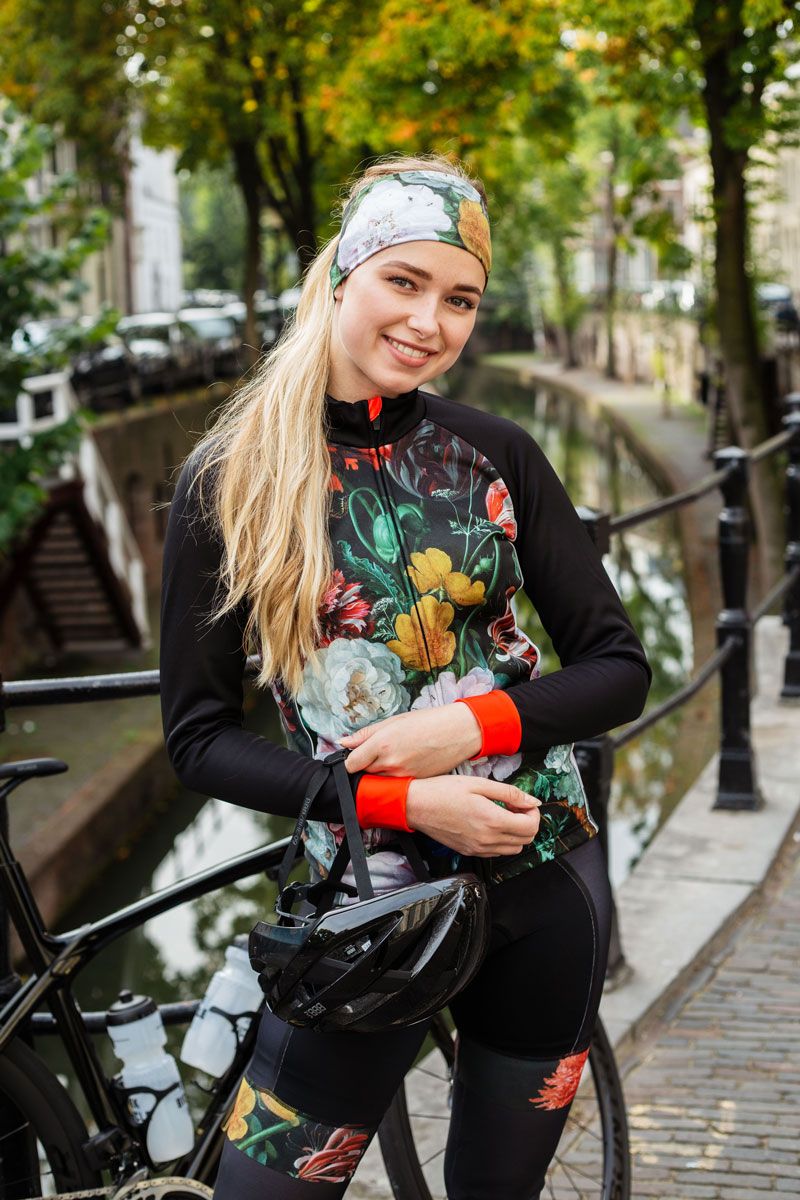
{"type": "Point", "coordinates": [102, 373]}
{"type": "Point", "coordinates": [777, 300]}
{"type": "Point", "coordinates": [105, 375]}
{"type": "Point", "coordinates": [289, 300]}
{"type": "Point", "coordinates": [167, 350]}
{"type": "Point", "coordinates": [269, 319]}
{"type": "Point", "coordinates": [218, 332]}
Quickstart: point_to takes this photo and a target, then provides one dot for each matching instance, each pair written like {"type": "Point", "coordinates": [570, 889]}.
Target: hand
{"type": "Point", "coordinates": [457, 810]}
{"type": "Point", "coordinates": [429, 741]}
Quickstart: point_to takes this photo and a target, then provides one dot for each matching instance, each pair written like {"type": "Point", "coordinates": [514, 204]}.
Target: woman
{"type": "Point", "coordinates": [368, 537]}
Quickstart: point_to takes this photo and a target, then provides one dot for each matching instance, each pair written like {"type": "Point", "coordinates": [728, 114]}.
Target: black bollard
{"type": "Point", "coordinates": [791, 603]}
{"type": "Point", "coordinates": [595, 759]}
{"type": "Point", "coordinates": [737, 787]}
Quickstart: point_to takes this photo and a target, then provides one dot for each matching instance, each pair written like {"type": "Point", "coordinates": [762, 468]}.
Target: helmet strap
{"type": "Point", "coordinates": [352, 829]}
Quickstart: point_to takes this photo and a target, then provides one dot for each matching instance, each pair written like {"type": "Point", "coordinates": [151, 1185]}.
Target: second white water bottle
{"type": "Point", "coordinates": [232, 999]}
{"type": "Point", "coordinates": [149, 1079]}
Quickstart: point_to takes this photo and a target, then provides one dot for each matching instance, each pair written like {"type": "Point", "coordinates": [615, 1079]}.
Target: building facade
{"type": "Point", "coordinates": [139, 268]}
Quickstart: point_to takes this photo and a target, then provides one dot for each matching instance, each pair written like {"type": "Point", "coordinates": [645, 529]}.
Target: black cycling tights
{"type": "Point", "coordinates": [310, 1102]}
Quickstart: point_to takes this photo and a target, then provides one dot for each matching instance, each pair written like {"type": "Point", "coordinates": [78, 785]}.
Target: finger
{"type": "Point", "coordinates": [508, 794]}
{"type": "Point", "coordinates": [356, 738]}
{"type": "Point", "coordinates": [363, 758]}
{"type": "Point", "coordinates": [519, 825]}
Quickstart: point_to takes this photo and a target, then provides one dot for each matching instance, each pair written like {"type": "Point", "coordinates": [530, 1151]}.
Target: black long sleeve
{"type": "Point", "coordinates": [604, 676]}
{"type": "Point", "coordinates": [202, 666]}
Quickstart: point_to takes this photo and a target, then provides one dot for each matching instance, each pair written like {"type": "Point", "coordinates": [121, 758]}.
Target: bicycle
{"type": "Point", "coordinates": [46, 1148]}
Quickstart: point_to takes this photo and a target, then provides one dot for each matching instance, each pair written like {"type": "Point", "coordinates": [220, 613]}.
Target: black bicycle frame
{"type": "Point", "coordinates": [56, 959]}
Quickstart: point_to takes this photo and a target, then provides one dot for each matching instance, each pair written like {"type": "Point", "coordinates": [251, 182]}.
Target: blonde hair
{"type": "Point", "coordinates": [269, 470]}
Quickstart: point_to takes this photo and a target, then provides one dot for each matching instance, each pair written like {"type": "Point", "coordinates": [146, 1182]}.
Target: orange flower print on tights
{"type": "Point", "coordinates": [559, 1088]}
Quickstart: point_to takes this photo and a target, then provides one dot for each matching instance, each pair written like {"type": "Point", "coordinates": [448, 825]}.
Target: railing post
{"type": "Point", "coordinates": [791, 603]}
{"type": "Point", "coordinates": [598, 525]}
{"type": "Point", "coordinates": [595, 758]}
{"type": "Point", "coordinates": [9, 981]}
{"type": "Point", "coordinates": [737, 786]}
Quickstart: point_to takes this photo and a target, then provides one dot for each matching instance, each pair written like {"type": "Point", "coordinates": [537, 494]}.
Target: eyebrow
{"type": "Point", "coordinates": [458, 287]}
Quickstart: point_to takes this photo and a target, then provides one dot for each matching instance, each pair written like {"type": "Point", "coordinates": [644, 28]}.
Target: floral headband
{"type": "Point", "coordinates": [412, 206]}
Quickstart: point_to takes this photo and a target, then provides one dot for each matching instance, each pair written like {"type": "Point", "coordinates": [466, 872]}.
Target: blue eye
{"type": "Point", "coordinates": [459, 302]}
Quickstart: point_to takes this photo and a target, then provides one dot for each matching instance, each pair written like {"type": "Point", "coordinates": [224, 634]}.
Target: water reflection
{"type": "Point", "coordinates": [174, 955]}
{"type": "Point", "coordinates": [600, 471]}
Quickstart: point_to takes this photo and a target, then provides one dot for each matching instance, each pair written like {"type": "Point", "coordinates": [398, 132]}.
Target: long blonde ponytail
{"type": "Point", "coordinates": [267, 463]}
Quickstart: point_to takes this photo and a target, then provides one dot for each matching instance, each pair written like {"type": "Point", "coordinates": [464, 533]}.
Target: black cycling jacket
{"type": "Point", "coordinates": [440, 513]}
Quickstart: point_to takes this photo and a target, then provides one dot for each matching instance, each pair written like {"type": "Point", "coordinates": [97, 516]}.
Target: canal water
{"type": "Point", "coordinates": [173, 956]}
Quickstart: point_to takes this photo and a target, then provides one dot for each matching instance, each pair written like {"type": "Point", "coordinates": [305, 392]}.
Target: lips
{"type": "Point", "coordinates": [408, 355]}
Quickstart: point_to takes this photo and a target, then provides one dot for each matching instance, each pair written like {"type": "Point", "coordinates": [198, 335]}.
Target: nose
{"type": "Point", "coordinates": [423, 319]}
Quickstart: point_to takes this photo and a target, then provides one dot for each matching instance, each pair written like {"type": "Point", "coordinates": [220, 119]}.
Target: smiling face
{"type": "Point", "coordinates": [402, 318]}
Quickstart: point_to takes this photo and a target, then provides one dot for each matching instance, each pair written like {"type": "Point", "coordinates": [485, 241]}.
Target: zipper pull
{"type": "Point", "coordinates": [375, 410]}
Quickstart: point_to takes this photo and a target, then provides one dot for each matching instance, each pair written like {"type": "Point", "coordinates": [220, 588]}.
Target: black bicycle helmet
{"type": "Point", "coordinates": [379, 963]}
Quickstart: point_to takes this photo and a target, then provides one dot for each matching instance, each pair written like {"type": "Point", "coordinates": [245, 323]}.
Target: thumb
{"type": "Point", "coordinates": [515, 798]}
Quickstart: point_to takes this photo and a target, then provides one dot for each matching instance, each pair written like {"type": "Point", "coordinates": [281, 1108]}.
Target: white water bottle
{"type": "Point", "coordinates": [150, 1077]}
{"type": "Point", "coordinates": [223, 1016]}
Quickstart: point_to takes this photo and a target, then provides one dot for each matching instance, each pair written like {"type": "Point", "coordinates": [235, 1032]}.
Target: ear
{"type": "Point", "coordinates": [338, 291]}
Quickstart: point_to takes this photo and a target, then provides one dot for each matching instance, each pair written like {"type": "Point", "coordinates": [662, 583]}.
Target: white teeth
{"type": "Point", "coordinates": [407, 349]}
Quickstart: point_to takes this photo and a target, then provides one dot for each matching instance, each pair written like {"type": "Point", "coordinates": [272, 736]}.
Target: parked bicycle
{"type": "Point", "coordinates": [46, 1148]}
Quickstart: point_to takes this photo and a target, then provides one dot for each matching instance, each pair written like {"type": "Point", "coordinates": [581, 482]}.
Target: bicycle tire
{"type": "Point", "coordinates": [600, 1098]}
{"type": "Point", "coordinates": [44, 1135]}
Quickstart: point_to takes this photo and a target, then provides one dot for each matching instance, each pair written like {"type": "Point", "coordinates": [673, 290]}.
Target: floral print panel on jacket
{"type": "Point", "coordinates": [420, 613]}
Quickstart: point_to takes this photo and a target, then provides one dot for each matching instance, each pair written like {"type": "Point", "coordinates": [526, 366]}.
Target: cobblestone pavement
{"type": "Point", "coordinates": [714, 1098]}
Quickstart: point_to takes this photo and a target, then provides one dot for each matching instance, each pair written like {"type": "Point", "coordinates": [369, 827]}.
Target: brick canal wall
{"type": "Point", "coordinates": [143, 448]}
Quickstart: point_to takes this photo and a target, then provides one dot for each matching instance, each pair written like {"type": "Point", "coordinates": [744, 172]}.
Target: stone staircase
{"type": "Point", "coordinates": [79, 565]}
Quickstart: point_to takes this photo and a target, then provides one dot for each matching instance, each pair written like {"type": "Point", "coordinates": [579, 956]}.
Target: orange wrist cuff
{"type": "Point", "coordinates": [497, 715]}
{"type": "Point", "coordinates": [381, 800]}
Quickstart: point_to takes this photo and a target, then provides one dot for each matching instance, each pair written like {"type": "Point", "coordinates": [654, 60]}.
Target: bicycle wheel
{"type": "Point", "coordinates": [592, 1162]}
{"type": "Point", "coordinates": [41, 1131]}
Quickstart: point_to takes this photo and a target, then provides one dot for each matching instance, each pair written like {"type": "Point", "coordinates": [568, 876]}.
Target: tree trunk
{"type": "Point", "coordinates": [306, 238]}
{"type": "Point", "coordinates": [248, 176]}
{"type": "Point", "coordinates": [611, 260]}
{"type": "Point", "coordinates": [564, 286]}
{"type": "Point", "coordinates": [735, 303]}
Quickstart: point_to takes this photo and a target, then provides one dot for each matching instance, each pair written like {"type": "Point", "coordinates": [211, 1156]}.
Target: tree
{"type": "Point", "coordinates": [212, 229]}
{"type": "Point", "coordinates": [238, 85]}
{"type": "Point", "coordinates": [725, 62]}
{"type": "Point", "coordinates": [60, 62]}
{"type": "Point", "coordinates": [294, 95]}
{"type": "Point", "coordinates": [33, 282]}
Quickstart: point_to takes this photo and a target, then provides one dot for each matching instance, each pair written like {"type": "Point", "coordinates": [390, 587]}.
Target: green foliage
{"type": "Point", "coordinates": [34, 281]}
{"type": "Point", "coordinates": [23, 468]}
{"type": "Point", "coordinates": [212, 229]}
{"type": "Point", "coordinates": [60, 62]}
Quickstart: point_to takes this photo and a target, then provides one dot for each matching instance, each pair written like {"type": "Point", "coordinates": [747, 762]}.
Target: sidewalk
{"type": "Point", "coordinates": [713, 1100]}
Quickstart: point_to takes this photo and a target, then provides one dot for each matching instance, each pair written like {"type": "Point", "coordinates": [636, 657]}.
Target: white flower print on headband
{"type": "Point", "coordinates": [391, 213]}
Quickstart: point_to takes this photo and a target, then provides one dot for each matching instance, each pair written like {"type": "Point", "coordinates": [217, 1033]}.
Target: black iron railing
{"type": "Point", "coordinates": [738, 778]}
{"type": "Point", "coordinates": [737, 783]}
